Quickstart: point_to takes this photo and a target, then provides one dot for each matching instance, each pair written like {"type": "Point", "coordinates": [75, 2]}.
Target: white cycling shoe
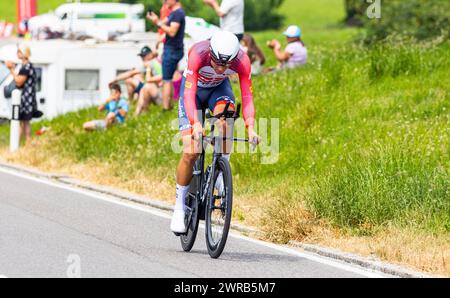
{"type": "Point", "coordinates": [178, 225]}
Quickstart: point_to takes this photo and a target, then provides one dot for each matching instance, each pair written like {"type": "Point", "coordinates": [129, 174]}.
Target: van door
{"type": "Point", "coordinates": [5, 103]}
{"type": "Point", "coordinates": [41, 89]}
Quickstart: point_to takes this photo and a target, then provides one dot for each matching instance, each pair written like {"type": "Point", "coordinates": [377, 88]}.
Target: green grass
{"type": "Point", "coordinates": [364, 138]}
{"type": "Point", "coordinates": [8, 10]}
{"type": "Point", "coordinates": [320, 21]}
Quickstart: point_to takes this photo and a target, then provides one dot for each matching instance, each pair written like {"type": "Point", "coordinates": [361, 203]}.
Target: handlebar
{"type": "Point", "coordinates": [227, 115]}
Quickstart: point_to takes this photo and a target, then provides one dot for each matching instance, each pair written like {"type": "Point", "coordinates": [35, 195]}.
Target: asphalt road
{"type": "Point", "coordinates": [48, 229]}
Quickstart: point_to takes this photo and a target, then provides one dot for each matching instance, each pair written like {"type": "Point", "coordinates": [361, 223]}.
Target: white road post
{"type": "Point", "coordinates": [15, 123]}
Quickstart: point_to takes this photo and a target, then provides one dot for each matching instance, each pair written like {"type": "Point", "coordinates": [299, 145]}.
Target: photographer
{"type": "Point", "coordinates": [174, 27]}
{"type": "Point", "coordinates": [26, 81]}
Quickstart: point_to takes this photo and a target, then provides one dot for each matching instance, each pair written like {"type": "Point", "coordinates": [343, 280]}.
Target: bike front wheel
{"type": "Point", "coordinates": [193, 216]}
{"type": "Point", "coordinates": [219, 208]}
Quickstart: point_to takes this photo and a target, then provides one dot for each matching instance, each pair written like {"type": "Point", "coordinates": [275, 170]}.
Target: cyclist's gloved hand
{"type": "Point", "coordinates": [253, 136]}
{"type": "Point", "coordinates": [198, 131]}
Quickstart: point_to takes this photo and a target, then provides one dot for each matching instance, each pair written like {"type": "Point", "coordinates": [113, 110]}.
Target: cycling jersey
{"type": "Point", "coordinates": [200, 74]}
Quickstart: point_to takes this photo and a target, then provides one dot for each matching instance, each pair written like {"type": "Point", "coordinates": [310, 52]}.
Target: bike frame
{"type": "Point", "coordinates": [206, 186]}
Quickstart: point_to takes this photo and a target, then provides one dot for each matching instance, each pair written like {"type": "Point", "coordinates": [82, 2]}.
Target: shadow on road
{"type": "Point", "coordinates": [247, 257]}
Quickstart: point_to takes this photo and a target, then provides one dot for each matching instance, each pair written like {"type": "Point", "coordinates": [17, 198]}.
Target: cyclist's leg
{"type": "Point", "coordinates": [191, 149]}
{"type": "Point", "coordinates": [217, 102]}
{"type": "Point", "coordinates": [191, 152]}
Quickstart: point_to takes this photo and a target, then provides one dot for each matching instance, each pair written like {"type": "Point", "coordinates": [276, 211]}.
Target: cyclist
{"type": "Point", "coordinates": [206, 84]}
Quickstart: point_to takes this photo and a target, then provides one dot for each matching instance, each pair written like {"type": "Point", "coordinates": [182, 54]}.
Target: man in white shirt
{"type": "Point", "coordinates": [231, 13]}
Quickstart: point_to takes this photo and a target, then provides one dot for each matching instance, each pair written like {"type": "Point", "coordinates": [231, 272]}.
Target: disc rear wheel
{"type": "Point", "coordinates": [219, 209]}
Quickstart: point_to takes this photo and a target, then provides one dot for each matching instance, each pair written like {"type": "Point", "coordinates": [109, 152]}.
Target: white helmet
{"type": "Point", "coordinates": [225, 47]}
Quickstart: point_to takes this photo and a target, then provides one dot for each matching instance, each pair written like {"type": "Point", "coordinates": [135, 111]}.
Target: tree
{"type": "Point", "coordinates": [259, 14]}
{"type": "Point", "coordinates": [354, 12]}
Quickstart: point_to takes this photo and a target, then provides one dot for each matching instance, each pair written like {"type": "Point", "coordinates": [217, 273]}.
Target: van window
{"type": "Point", "coordinates": [82, 80]}
{"type": "Point", "coordinates": [38, 79]}
{"type": "Point", "coordinates": [4, 73]}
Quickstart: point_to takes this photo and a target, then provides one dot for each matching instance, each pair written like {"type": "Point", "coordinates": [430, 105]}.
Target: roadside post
{"type": "Point", "coordinates": [15, 123]}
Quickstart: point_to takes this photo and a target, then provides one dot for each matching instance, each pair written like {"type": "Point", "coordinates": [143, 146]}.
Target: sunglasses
{"type": "Point", "coordinates": [220, 62]}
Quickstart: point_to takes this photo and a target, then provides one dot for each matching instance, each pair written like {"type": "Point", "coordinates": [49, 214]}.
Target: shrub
{"type": "Point", "coordinates": [419, 19]}
{"type": "Point", "coordinates": [259, 14]}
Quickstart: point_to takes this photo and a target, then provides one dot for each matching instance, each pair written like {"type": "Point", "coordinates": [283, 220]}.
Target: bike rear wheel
{"type": "Point", "coordinates": [219, 209]}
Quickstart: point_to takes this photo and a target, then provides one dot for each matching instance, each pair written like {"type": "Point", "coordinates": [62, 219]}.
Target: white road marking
{"type": "Point", "coordinates": [150, 210]}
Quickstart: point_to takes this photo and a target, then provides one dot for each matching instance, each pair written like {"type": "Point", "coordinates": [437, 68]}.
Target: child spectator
{"type": "Point", "coordinates": [254, 53]}
{"type": "Point", "coordinates": [116, 109]}
{"type": "Point", "coordinates": [295, 54]}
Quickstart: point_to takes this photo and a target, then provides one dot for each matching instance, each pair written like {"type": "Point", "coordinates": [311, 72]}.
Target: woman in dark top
{"type": "Point", "coordinates": [26, 82]}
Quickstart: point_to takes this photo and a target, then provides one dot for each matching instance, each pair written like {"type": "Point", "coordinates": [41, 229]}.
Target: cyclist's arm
{"type": "Point", "coordinates": [245, 78]}
{"type": "Point", "coordinates": [190, 87]}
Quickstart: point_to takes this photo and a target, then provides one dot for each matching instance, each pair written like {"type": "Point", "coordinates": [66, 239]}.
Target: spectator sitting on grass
{"type": "Point", "coordinates": [295, 54]}
{"type": "Point", "coordinates": [116, 108]}
{"type": "Point", "coordinates": [137, 78]}
{"type": "Point", "coordinates": [254, 52]}
{"type": "Point", "coordinates": [151, 92]}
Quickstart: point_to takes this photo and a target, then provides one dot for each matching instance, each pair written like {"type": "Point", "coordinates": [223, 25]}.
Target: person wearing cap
{"type": "Point", "coordinates": [231, 13]}
{"type": "Point", "coordinates": [144, 82]}
{"type": "Point", "coordinates": [295, 54]}
{"type": "Point", "coordinates": [26, 81]}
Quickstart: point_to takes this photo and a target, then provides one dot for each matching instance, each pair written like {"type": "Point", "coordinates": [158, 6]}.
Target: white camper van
{"type": "Point", "coordinates": [71, 75]}
{"type": "Point", "coordinates": [116, 17]}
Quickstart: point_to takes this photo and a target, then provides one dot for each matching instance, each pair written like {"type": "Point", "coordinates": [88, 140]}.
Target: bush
{"type": "Point", "coordinates": [354, 11]}
{"type": "Point", "coordinates": [419, 19]}
{"type": "Point", "coordinates": [259, 14]}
